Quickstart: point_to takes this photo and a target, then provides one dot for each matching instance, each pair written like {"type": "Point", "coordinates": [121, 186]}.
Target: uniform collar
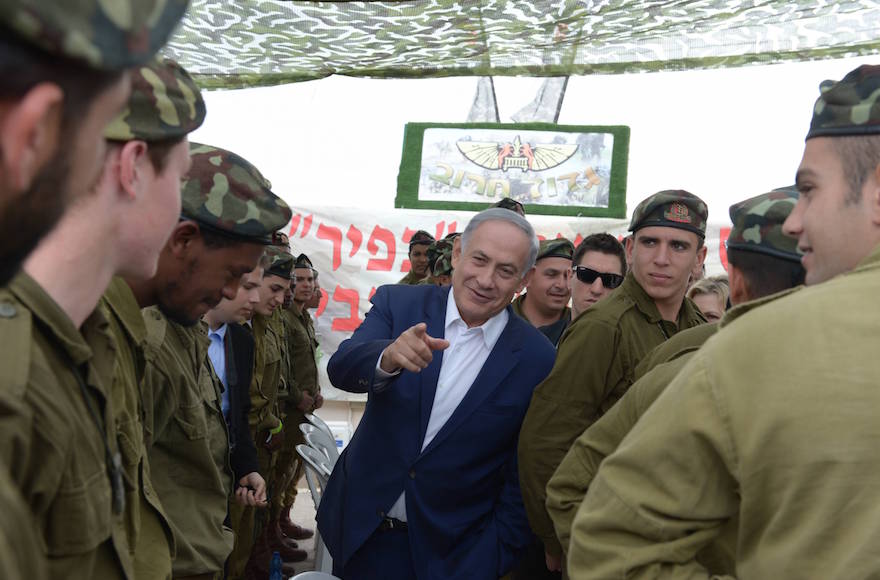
{"type": "Point", "coordinates": [648, 308]}
{"type": "Point", "coordinates": [122, 303]}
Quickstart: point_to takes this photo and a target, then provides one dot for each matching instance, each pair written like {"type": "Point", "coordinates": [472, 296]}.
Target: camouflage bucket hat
{"type": "Point", "coordinates": [165, 103]}
{"type": "Point", "coordinates": [226, 194]}
{"type": "Point", "coordinates": [557, 248]}
{"type": "Point", "coordinates": [672, 208]}
{"type": "Point", "coordinates": [103, 34]}
{"type": "Point", "coordinates": [440, 257]}
{"type": "Point", "coordinates": [757, 224]}
{"type": "Point", "coordinates": [280, 263]}
{"type": "Point", "coordinates": [421, 237]}
{"type": "Point", "coordinates": [850, 106]}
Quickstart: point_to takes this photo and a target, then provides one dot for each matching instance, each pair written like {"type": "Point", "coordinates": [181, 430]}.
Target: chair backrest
{"type": "Point", "coordinates": [323, 443]}
{"type": "Point", "coordinates": [319, 423]}
{"type": "Point", "coordinates": [313, 575]}
{"type": "Point", "coordinates": [316, 460]}
{"type": "Point", "coordinates": [307, 428]}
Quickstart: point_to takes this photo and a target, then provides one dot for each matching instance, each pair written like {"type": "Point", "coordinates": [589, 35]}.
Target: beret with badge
{"type": "Point", "coordinates": [672, 208]}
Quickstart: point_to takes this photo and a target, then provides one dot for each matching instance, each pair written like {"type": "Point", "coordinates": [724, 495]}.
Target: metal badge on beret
{"type": "Point", "coordinates": [103, 34]}
{"type": "Point", "coordinates": [225, 193]}
{"type": "Point", "coordinates": [672, 208]}
{"type": "Point", "coordinates": [165, 103]}
{"type": "Point", "coordinates": [757, 224]}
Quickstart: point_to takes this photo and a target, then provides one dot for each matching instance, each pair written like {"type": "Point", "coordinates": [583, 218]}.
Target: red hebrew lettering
{"type": "Point", "coordinates": [355, 236]}
{"type": "Point", "coordinates": [722, 246]}
{"type": "Point", "coordinates": [453, 227]}
{"type": "Point", "coordinates": [541, 238]}
{"type": "Point", "coordinates": [307, 225]}
{"type": "Point", "coordinates": [385, 236]}
{"type": "Point", "coordinates": [439, 230]}
{"type": "Point", "coordinates": [294, 224]}
{"type": "Point", "coordinates": [372, 293]}
{"type": "Point", "coordinates": [322, 304]}
{"type": "Point", "coordinates": [577, 241]}
{"type": "Point", "coordinates": [350, 297]}
{"type": "Point", "coordinates": [333, 234]}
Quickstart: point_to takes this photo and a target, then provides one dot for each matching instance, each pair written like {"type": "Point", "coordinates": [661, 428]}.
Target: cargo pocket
{"type": "Point", "coordinates": [191, 419]}
{"type": "Point", "coordinates": [80, 517]}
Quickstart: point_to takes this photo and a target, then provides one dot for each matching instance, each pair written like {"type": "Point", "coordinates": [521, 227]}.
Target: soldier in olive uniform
{"type": "Point", "coordinates": [59, 422]}
{"type": "Point", "coordinates": [547, 309]}
{"type": "Point", "coordinates": [229, 214]}
{"type": "Point", "coordinates": [773, 421]}
{"type": "Point", "coordinates": [67, 57]}
{"type": "Point", "coordinates": [418, 258]}
{"type": "Point", "coordinates": [148, 155]}
{"type": "Point", "coordinates": [600, 350]}
{"type": "Point", "coordinates": [305, 397]}
{"type": "Point", "coordinates": [762, 261]}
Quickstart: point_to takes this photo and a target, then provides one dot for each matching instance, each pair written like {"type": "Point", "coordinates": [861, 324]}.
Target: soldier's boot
{"type": "Point", "coordinates": [258, 565]}
{"type": "Point", "coordinates": [290, 551]}
{"type": "Point", "coordinates": [290, 529]}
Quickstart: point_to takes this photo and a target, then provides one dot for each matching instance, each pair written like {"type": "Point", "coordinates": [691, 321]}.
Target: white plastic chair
{"type": "Point", "coordinates": [307, 428]}
{"type": "Point", "coordinates": [319, 440]}
{"type": "Point", "coordinates": [314, 576]}
{"type": "Point", "coordinates": [319, 423]}
{"type": "Point", "coordinates": [317, 473]}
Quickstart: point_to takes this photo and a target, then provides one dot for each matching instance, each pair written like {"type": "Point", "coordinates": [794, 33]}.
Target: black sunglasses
{"type": "Point", "coordinates": [588, 276]}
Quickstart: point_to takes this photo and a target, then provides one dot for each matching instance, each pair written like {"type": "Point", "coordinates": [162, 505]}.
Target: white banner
{"type": "Point", "coordinates": [355, 252]}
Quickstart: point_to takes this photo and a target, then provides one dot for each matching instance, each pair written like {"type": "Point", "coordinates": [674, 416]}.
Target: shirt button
{"type": "Point", "coordinates": [412, 473]}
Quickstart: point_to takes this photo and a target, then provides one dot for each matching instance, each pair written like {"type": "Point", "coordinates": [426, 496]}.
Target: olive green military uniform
{"type": "Point", "coordinates": [554, 331]}
{"type": "Point", "coordinates": [149, 535]}
{"type": "Point", "coordinates": [570, 481]}
{"type": "Point", "coordinates": [20, 554]}
{"type": "Point", "coordinates": [595, 365]}
{"type": "Point", "coordinates": [302, 348]}
{"type": "Point", "coordinates": [52, 445]}
{"type": "Point", "coordinates": [775, 420]}
{"type": "Point", "coordinates": [187, 442]}
{"type": "Point", "coordinates": [411, 279]}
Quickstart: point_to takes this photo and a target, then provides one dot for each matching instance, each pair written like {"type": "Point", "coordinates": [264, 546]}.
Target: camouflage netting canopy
{"type": "Point", "coordinates": [264, 42]}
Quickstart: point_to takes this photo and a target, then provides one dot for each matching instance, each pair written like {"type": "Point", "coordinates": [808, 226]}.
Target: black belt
{"type": "Point", "coordinates": [389, 524]}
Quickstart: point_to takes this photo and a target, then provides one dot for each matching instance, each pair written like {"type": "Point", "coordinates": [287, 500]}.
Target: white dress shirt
{"type": "Point", "coordinates": [463, 359]}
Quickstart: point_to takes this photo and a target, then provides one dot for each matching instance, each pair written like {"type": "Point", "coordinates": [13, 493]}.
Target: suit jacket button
{"type": "Point", "coordinates": [412, 473]}
{"type": "Point", "coordinates": [381, 514]}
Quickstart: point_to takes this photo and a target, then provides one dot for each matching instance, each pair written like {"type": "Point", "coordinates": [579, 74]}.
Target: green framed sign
{"type": "Point", "coordinates": [571, 170]}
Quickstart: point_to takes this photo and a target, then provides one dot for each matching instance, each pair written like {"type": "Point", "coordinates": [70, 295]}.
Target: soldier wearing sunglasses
{"type": "Point", "coordinates": [598, 353]}
{"type": "Point", "coordinates": [599, 265]}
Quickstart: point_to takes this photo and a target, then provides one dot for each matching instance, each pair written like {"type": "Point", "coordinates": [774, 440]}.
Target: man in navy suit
{"type": "Point", "coordinates": [428, 486]}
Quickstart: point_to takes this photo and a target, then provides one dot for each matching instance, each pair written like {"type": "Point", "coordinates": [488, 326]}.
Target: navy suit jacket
{"type": "Point", "coordinates": [463, 504]}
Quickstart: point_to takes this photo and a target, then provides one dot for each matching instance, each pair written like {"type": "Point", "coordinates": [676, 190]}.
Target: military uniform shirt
{"type": "Point", "coordinates": [147, 530]}
{"type": "Point", "coordinates": [595, 365]}
{"type": "Point", "coordinates": [554, 331]}
{"type": "Point", "coordinates": [774, 419]}
{"type": "Point", "coordinates": [188, 443]}
{"type": "Point", "coordinates": [53, 448]}
{"type": "Point", "coordinates": [411, 279]}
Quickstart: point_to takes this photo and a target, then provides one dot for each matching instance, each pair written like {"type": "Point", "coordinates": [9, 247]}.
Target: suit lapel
{"type": "Point", "coordinates": [231, 375]}
{"type": "Point", "coordinates": [435, 317]}
{"type": "Point", "coordinates": [501, 361]}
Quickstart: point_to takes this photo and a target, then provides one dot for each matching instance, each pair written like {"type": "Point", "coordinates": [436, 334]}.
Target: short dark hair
{"type": "Point", "coordinates": [160, 151]}
{"type": "Point", "coordinates": [24, 66]}
{"type": "Point", "coordinates": [859, 155]}
{"type": "Point", "coordinates": [765, 274]}
{"type": "Point", "coordinates": [216, 240]}
{"type": "Point", "coordinates": [604, 243]}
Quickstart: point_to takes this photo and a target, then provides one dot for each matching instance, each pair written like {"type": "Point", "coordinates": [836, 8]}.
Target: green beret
{"type": "Point", "coordinates": [440, 257]}
{"type": "Point", "coordinates": [511, 204]}
{"type": "Point", "coordinates": [105, 35]}
{"type": "Point", "coordinates": [673, 208]}
{"type": "Point", "coordinates": [849, 106]}
{"type": "Point", "coordinates": [302, 261]}
{"type": "Point", "coordinates": [280, 263]}
{"type": "Point", "coordinates": [556, 248]}
{"type": "Point", "coordinates": [226, 194]}
{"type": "Point", "coordinates": [165, 103]}
{"type": "Point", "coordinates": [421, 237]}
{"type": "Point", "coordinates": [757, 224]}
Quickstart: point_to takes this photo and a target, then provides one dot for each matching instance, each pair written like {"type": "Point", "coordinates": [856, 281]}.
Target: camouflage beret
{"type": "Point", "coordinates": [226, 194]}
{"type": "Point", "coordinates": [280, 263]}
{"type": "Point", "coordinates": [113, 35]}
{"type": "Point", "coordinates": [558, 248]}
{"type": "Point", "coordinates": [302, 261]}
{"type": "Point", "coordinates": [672, 208]}
{"type": "Point", "coordinates": [452, 236]}
{"type": "Point", "coordinates": [757, 224]}
{"type": "Point", "coordinates": [511, 204]}
{"type": "Point", "coordinates": [165, 103]}
{"type": "Point", "coordinates": [421, 237]}
{"type": "Point", "coordinates": [280, 239]}
{"type": "Point", "coordinates": [849, 106]}
{"type": "Point", "coordinates": [440, 257]}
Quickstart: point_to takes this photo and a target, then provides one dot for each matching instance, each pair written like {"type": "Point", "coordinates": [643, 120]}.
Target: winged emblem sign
{"type": "Point", "coordinates": [516, 154]}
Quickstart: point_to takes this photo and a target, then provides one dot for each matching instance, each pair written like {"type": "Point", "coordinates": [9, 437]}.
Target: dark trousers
{"type": "Point", "coordinates": [384, 556]}
{"type": "Point", "coordinates": [533, 565]}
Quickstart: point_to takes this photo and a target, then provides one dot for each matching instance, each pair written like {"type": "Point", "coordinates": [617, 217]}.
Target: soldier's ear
{"type": "Point", "coordinates": [134, 164]}
{"type": "Point", "coordinates": [183, 238]}
{"type": "Point", "coordinates": [872, 195]}
{"type": "Point", "coordinates": [30, 128]}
